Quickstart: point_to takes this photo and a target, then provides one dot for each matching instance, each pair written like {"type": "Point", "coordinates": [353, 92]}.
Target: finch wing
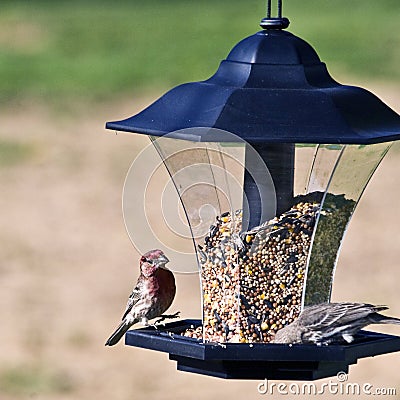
{"type": "Point", "coordinates": [355, 312]}
{"type": "Point", "coordinates": [321, 317]}
{"type": "Point", "coordinates": [134, 297]}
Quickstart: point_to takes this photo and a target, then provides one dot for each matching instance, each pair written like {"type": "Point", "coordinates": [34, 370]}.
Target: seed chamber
{"type": "Point", "coordinates": [255, 279]}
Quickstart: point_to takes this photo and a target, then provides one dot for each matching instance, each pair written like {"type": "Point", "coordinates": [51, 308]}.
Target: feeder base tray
{"type": "Point", "coordinates": [259, 361]}
{"type": "Point", "coordinates": [275, 370]}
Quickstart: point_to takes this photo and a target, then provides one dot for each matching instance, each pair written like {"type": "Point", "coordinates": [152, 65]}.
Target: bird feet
{"type": "Point", "coordinates": [166, 316]}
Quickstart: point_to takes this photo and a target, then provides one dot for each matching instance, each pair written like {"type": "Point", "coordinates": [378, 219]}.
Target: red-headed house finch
{"type": "Point", "coordinates": [332, 323]}
{"type": "Point", "coordinates": [153, 294]}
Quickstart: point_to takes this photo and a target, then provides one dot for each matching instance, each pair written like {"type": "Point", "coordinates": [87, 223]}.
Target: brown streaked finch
{"type": "Point", "coordinates": [332, 323]}
{"type": "Point", "coordinates": [152, 296]}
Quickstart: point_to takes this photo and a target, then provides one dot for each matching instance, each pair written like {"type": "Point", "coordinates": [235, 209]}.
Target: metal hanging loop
{"type": "Point", "coordinates": [278, 22]}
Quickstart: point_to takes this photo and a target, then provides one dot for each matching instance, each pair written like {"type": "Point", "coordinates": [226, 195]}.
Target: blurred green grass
{"type": "Point", "coordinates": [14, 153]}
{"type": "Point", "coordinates": [99, 50]}
{"type": "Point", "coordinates": [31, 380]}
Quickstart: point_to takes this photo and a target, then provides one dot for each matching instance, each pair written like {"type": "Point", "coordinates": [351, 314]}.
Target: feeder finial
{"type": "Point", "coordinates": [278, 22]}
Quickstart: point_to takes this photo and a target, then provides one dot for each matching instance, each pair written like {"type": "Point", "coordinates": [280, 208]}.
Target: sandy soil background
{"type": "Point", "coordinates": [67, 265]}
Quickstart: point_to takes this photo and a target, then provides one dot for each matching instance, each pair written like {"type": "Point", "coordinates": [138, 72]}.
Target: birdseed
{"type": "Point", "coordinates": [253, 281]}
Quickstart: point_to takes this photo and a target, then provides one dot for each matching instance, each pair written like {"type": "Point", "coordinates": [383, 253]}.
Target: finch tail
{"type": "Point", "coordinates": [119, 332]}
{"type": "Point", "coordinates": [382, 319]}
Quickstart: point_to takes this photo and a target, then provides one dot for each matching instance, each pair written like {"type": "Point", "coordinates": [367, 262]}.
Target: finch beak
{"type": "Point", "coordinates": [162, 259]}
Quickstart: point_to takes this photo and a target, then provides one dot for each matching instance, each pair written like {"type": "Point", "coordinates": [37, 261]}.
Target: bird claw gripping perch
{"type": "Point", "coordinates": [164, 317]}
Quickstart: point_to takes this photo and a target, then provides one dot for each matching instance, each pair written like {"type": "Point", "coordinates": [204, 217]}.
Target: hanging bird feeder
{"type": "Point", "coordinates": [281, 154]}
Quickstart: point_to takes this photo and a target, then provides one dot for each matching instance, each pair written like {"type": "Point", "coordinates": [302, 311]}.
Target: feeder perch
{"type": "Point", "coordinates": [282, 153]}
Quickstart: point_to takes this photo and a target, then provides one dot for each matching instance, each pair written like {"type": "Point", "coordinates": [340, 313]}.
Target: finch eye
{"type": "Point", "coordinates": [143, 259]}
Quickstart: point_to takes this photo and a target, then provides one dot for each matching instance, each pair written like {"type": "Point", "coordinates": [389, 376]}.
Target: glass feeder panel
{"type": "Point", "coordinates": [273, 262]}
{"type": "Point", "coordinates": [264, 267]}
{"type": "Point", "coordinates": [353, 170]}
{"type": "Point", "coordinates": [209, 180]}
{"type": "Point", "coordinates": [223, 254]}
{"type": "Point", "coordinates": [153, 214]}
{"type": "Point", "coordinates": [324, 162]}
{"type": "Point", "coordinates": [303, 162]}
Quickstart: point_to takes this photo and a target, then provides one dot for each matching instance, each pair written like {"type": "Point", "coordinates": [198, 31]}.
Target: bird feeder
{"type": "Point", "coordinates": [270, 157]}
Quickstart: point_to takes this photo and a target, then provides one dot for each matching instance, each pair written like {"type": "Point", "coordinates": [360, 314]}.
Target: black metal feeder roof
{"type": "Point", "coordinates": [272, 88]}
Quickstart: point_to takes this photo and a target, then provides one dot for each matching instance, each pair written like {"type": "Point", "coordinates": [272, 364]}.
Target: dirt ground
{"type": "Point", "coordinates": [67, 265]}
